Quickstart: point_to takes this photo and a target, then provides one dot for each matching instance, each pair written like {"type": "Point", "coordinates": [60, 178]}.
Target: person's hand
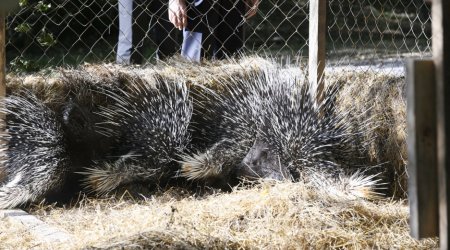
{"type": "Point", "coordinates": [252, 8]}
{"type": "Point", "coordinates": [178, 13]}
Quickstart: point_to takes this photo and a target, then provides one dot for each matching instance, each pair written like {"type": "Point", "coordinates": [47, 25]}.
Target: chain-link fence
{"type": "Point", "coordinates": [378, 33]}
{"type": "Point", "coordinates": [62, 32]}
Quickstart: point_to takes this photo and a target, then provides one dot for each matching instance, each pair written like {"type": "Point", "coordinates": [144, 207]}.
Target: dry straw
{"type": "Point", "coordinates": [269, 215]}
{"type": "Point", "coordinates": [380, 97]}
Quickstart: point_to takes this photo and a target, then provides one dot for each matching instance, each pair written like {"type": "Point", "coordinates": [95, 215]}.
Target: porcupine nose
{"type": "Point", "coordinates": [261, 162]}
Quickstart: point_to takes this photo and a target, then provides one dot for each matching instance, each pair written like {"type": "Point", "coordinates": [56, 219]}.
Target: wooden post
{"type": "Point", "coordinates": [2, 78]}
{"type": "Point", "coordinates": [441, 56]}
{"type": "Point", "coordinates": [317, 41]}
{"type": "Point", "coordinates": [2, 83]}
{"type": "Point", "coordinates": [2, 55]}
{"type": "Point", "coordinates": [422, 155]}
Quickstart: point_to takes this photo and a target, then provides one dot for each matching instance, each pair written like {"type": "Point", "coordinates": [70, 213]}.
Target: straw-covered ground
{"type": "Point", "coordinates": [265, 215]}
{"type": "Point", "coordinates": [268, 215]}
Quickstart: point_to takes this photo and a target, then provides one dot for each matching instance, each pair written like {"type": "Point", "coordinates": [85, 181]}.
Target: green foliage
{"type": "Point", "coordinates": [31, 33]}
{"type": "Point", "coordinates": [42, 7]}
{"type": "Point", "coordinates": [20, 64]}
{"type": "Point", "coordinates": [45, 38]}
{"type": "Point", "coordinates": [23, 3]}
{"type": "Point", "coordinates": [23, 27]}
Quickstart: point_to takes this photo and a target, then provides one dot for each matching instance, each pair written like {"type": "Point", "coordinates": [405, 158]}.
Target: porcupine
{"type": "Point", "coordinates": [266, 125]}
{"type": "Point", "coordinates": [35, 160]}
{"type": "Point", "coordinates": [150, 123]}
{"type": "Point", "coordinates": [79, 115]}
{"type": "Point", "coordinates": [47, 142]}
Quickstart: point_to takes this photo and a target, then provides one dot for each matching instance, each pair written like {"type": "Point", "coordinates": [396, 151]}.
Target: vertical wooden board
{"type": "Point", "coordinates": [422, 143]}
{"type": "Point", "coordinates": [441, 56]}
{"type": "Point", "coordinates": [2, 83]}
{"type": "Point", "coordinates": [2, 55]}
{"type": "Point", "coordinates": [317, 41]}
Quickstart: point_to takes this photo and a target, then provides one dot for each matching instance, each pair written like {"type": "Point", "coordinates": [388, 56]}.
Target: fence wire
{"type": "Point", "coordinates": [70, 32]}
{"type": "Point", "coordinates": [378, 33]}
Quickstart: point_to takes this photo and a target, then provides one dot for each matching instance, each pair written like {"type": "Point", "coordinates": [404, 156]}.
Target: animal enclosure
{"type": "Point", "coordinates": [365, 45]}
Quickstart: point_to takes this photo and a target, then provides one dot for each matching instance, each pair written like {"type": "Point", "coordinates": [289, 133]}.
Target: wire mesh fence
{"type": "Point", "coordinates": [48, 33]}
{"type": "Point", "coordinates": [62, 32]}
{"type": "Point", "coordinates": [378, 33]}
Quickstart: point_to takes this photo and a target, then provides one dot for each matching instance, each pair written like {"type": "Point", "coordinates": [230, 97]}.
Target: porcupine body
{"type": "Point", "coordinates": [35, 160]}
{"type": "Point", "coordinates": [79, 116]}
{"type": "Point", "coordinates": [46, 143]}
{"type": "Point", "coordinates": [149, 122]}
{"type": "Point", "coordinates": [267, 125]}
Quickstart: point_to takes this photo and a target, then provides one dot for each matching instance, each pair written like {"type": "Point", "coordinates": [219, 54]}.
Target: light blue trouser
{"type": "Point", "coordinates": [125, 44]}
{"type": "Point", "coordinates": [135, 18]}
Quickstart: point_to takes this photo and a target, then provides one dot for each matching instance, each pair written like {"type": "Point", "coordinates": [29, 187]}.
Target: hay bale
{"type": "Point", "coordinates": [380, 97]}
{"type": "Point", "coordinates": [46, 86]}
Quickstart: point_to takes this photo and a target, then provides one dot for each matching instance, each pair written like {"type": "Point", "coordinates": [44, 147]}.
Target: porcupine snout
{"type": "Point", "coordinates": [262, 162]}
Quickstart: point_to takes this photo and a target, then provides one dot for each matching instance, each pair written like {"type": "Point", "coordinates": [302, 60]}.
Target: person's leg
{"type": "Point", "coordinates": [124, 45]}
{"type": "Point", "coordinates": [164, 34]}
{"type": "Point", "coordinates": [141, 22]}
{"type": "Point", "coordinates": [230, 33]}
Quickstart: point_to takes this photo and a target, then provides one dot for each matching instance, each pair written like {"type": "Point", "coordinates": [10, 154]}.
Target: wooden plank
{"type": "Point", "coordinates": [2, 56]}
{"type": "Point", "coordinates": [441, 57]}
{"type": "Point", "coordinates": [2, 81]}
{"type": "Point", "coordinates": [422, 155]}
{"type": "Point", "coordinates": [37, 228]}
{"type": "Point", "coordinates": [317, 41]}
